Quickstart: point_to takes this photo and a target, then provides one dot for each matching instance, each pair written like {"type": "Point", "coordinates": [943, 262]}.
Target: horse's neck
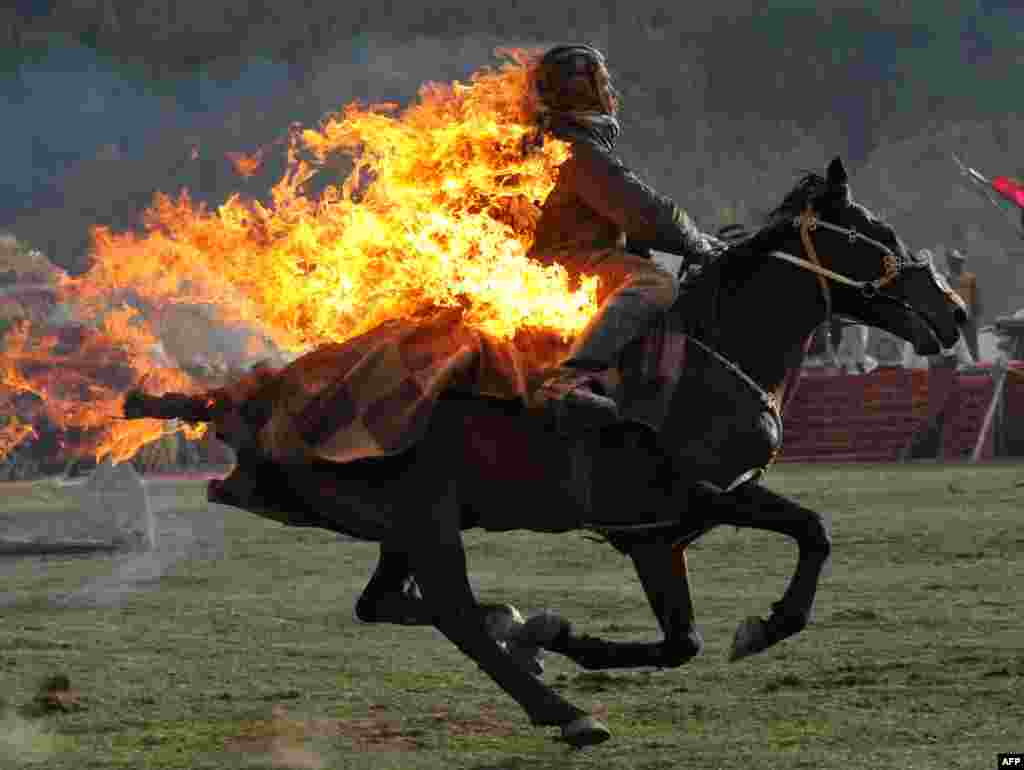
{"type": "Point", "coordinates": [765, 326]}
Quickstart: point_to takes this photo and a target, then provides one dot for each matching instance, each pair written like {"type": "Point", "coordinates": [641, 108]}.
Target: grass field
{"type": "Point", "coordinates": [915, 658]}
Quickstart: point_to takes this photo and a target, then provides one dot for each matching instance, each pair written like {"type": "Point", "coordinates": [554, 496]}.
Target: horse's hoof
{"type": "Point", "coordinates": [543, 628]}
{"type": "Point", "coordinates": [751, 638]}
{"type": "Point", "coordinates": [585, 731]}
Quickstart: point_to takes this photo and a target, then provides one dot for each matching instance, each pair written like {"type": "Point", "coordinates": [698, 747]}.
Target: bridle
{"type": "Point", "coordinates": [807, 223]}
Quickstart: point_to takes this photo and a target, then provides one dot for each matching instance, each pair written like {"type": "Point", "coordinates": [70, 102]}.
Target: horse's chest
{"type": "Point", "coordinates": [720, 428]}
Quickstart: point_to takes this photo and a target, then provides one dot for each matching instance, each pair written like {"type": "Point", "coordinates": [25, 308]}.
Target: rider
{"type": "Point", "coordinates": [598, 204]}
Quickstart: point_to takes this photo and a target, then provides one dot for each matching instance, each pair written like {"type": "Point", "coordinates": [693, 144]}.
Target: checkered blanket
{"type": "Point", "coordinates": [373, 395]}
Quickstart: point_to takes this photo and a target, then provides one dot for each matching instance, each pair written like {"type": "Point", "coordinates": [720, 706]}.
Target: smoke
{"type": "Point", "coordinates": [209, 348]}
{"type": "Point", "coordinates": [186, 531]}
{"type": "Point", "coordinates": [184, 534]}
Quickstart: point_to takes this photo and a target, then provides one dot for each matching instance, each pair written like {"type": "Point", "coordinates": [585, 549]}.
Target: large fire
{"type": "Point", "coordinates": [438, 211]}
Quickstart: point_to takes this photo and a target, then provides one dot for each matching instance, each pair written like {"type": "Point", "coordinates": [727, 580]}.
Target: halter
{"type": "Point", "coordinates": [807, 222]}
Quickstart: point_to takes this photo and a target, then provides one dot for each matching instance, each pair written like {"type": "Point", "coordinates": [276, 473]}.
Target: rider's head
{"type": "Point", "coordinates": [575, 78]}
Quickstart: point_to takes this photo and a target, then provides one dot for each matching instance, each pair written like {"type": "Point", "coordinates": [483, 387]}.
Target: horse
{"type": "Point", "coordinates": [483, 463]}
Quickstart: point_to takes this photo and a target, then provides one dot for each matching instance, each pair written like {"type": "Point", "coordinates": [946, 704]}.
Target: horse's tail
{"type": "Point", "coordinates": [171, 406]}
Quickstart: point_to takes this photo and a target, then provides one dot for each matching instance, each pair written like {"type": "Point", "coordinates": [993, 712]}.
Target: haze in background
{"type": "Point", "coordinates": [107, 101]}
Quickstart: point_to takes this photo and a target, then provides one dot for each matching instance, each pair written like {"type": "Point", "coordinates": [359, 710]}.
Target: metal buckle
{"type": "Point", "coordinates": [809, 219]}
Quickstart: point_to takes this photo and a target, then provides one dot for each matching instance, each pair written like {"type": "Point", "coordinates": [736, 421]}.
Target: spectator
{"type": "Point", "coordinates": [911, 360]}
{"type": "Point", "coordinates": [853, 350]}
{"type": "Point", "coordinates": [965, 284]}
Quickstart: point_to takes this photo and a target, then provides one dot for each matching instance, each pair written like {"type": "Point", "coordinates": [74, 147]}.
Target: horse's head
{"type": "Point", "coordinates": [866, 271]}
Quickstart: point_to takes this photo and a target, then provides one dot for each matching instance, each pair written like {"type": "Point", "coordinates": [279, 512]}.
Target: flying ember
{"type": "Point", "coordinates": [438, 211]}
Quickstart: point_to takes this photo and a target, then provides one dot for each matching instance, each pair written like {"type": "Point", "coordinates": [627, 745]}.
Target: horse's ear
{"type": "Point", "coordinates": [836, 174]}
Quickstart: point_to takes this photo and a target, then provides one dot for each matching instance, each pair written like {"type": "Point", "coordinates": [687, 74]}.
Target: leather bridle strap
{"type": "Point", "coordinates": [821, 271]}
{"type": "Point", "coordinates": [807, 224]}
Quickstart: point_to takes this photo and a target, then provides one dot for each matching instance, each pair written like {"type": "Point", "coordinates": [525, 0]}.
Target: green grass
{"type": "Point", "coordinates": [915, 658]}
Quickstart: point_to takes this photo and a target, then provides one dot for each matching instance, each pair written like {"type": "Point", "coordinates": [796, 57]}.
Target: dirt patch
{"type": "Point", "coordinates": [283, 739]}
{"type": "Point", "coordinates": [487, 724]}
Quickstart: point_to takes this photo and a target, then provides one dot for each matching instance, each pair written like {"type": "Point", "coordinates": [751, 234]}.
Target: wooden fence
{"type": "Point", "coordinates": [872, 417]}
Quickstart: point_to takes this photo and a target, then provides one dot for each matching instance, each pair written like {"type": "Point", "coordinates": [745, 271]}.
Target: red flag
{"type": "Point", "coordinates": [1011, 189]}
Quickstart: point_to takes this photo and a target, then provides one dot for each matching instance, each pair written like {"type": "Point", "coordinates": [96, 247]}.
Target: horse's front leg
{"type": "Point", "coordinates": [754, 506]}
{"type": "Point", "coordinates": [662, 570]}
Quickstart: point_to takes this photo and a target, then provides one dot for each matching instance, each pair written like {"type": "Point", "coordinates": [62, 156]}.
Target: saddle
{"type": "Point", "coordinates": [714, 425]}
{"type": "Point", "coordinates": [649, 370]}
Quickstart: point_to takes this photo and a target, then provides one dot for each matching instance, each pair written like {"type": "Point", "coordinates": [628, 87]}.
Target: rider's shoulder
{"type": "Point", "coordinates": [593, 154]}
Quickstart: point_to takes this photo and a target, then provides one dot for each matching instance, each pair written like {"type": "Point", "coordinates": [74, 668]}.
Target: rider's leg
{"type": "Point", "coordinates": [638, 290]}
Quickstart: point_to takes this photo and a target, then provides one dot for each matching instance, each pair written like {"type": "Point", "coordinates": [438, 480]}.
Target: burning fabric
{"type": "Point", "coordinates": [437, 213]}
{"type": "Point", "coordinates": [368, 397]}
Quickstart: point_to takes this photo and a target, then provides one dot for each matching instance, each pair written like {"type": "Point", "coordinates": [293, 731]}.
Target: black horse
{"type": "Point", "coordinates": [747, 317]}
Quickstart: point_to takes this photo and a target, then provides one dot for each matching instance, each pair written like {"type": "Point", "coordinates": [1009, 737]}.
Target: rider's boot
{"type": "Point", "coordinates": [577, 395]}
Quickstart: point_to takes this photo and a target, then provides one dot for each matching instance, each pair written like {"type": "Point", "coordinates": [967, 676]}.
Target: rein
{"type": "Point", "coordinates": [768, 399]}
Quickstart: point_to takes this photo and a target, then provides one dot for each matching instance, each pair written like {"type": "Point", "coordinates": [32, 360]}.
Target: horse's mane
{"type": "Point", "coordinates": [807, 189]}
{"type": "Point", "coordinates": [734, 263]}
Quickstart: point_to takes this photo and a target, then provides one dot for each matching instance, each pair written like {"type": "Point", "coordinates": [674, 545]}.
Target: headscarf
{"type": "Point", "coordinates": [580, 125]}
{"type": "Point", "coordinates": [556, 111]}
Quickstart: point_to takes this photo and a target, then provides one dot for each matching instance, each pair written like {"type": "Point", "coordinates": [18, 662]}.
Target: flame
{"type": "Point", "coordinates": [79, 376]}
{"type": "Point", "coordinates": [246, 165]}
{"type": "Point", "coordinates": [438, 211]}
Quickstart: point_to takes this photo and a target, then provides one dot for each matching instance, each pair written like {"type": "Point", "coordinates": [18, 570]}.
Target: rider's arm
{"type": "Point", "coordinates": [649, 219]}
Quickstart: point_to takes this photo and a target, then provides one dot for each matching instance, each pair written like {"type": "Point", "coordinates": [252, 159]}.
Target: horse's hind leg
{"type": "Point", "coordinates": [427, 504]}
{"type": "Point", "coordinates": [663, 573]}
{"type": "Point", "coordinates": [392, 595]}
{"type": "Point", "coordinates": [439, 562]}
